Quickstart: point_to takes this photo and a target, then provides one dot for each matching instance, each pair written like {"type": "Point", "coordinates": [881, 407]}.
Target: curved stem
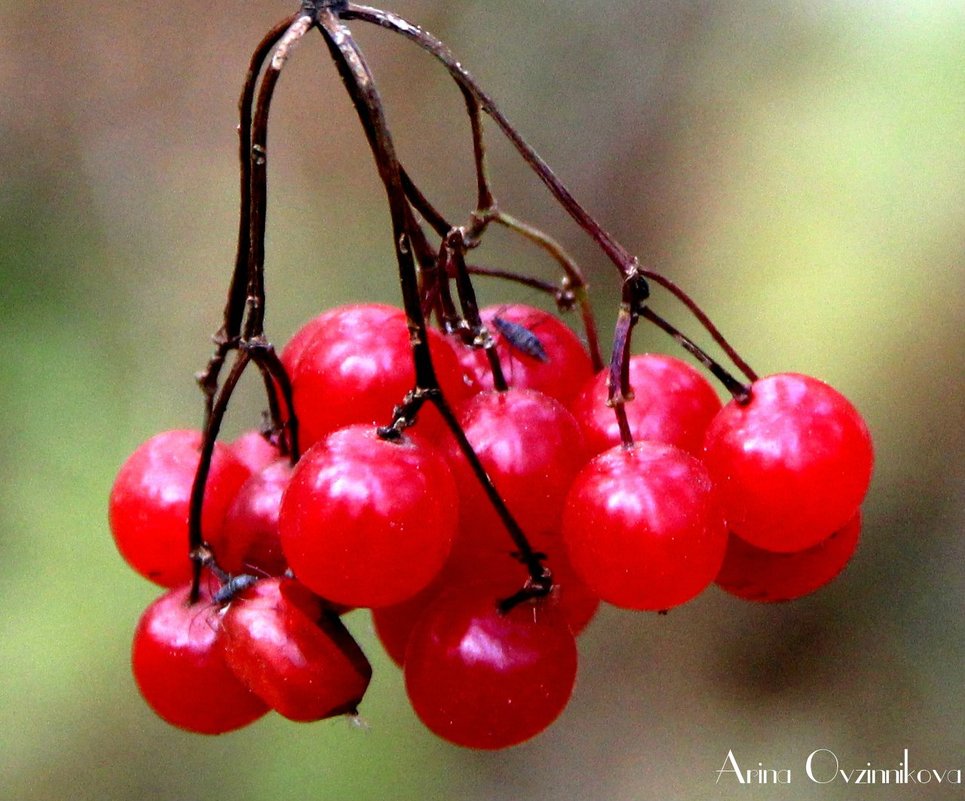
{"type": "Point", "coordinates": [197, 550]}
{"type": "Point", "coordinates": [276, 379]}
{"type": "Point", "coordinates": [237, 292]}
{"type": "Point", "coordinates": [740, 392]}
{"type": "Point", "coordinates": [245, 306]}
{"type": "Point", "coordinates": [623, 259]}
{"type": "Point", "coordinates": [360, 85]}
{"type": "Point", "coordinates": [258, 169]}
{"type": "Point", "coordinates": [575, 282]}
{"type": "Point", "coordinates": [484, 195]}
{"type": "Point", "coordinates": [703, 319]}
{"type": "Point", "coordinates": [618, 378]}
{"type": "Point", "coordinates": [455, 246]}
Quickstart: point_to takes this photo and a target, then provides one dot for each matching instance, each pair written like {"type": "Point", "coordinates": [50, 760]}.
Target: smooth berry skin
{"type": "Point", "coordinates": [566, 369]}
{"type": "Point", "coordinates": [502, 575]}
{"type": "Point", "coordinates": [291, 354]}
{"type": "Point", "coordinates": [757, 575]}
{"type": "Point", "coordinates": [356, 367]}
{"type": "Point", "coordinates": [642, 527]}
{"type": "Point", "coordinates": [673, 404]}
{"type": "Point", "coordinates": [249, 539]}
{"type": "Point", "coordinates": [180, 670]}
{"type": "Point", "coordinates": [792, 465]}
{"type": "Point", "coordinates": [149, 502]}
{"type": "Point", "coordinates": [253, 451]}
{"type": "Point", "coordinates": [484, 679]}
{"type": "Point", "coordinates": [531, 447]}
{"type": "Point", "coordinates": [294, 654]}
{"type": "Point", "coordinates": [368, 522]}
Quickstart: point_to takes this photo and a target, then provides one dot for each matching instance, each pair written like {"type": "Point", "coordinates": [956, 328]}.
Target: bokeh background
{"type": "Point", "coordinates": [798, 166]}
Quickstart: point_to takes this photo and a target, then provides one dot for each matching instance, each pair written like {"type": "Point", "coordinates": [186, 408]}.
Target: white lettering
{"type": "Point", "coordinates": [735, 769]}
{"type": "Point", "coordinates": [831, 773]}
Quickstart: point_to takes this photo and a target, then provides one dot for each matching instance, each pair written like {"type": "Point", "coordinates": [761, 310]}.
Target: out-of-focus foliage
{"type": "Point", "coordinates": [799, 166]}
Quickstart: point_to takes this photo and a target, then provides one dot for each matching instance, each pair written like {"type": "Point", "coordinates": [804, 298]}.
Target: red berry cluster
{"type": "Point", "coordinates": [761, 495]}
{"type": "Point", "coordinates": [478, 478]}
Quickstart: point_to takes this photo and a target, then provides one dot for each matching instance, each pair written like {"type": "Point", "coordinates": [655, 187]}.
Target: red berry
{"type": "Point", "coordinates": [642, 527]}
{"type": "Point", "coordinates": [758, 575]}
{"type": "Point", "coordinates": [294, 654]}
{"type": "Point", "coordinates": [532, 449]}
{"type": "Point", "coordinates": [393, 624]}
{"type": "Point", "coordinates": [673, 403]}
{"type": "Point", "coordinates": [249, 541]}
{"type": "Point", "coordinates": [253, 451]}
{"type": "Point", "coordinates": [180, 670]}
{"type": "Point", "coordinates": [485, 679]}
{"type": "Point", "coordinates": [291, 354]}
{"type": "Point", "coordinates": [502, 575]}
{"type": "Point", "coordinates": [792, 465]}
{"type": "Point", "coordinates": [356, 367]}
{"type": "Point", "coordinates": [366, 521]}
{"type": "Point", "coordinates": [564, 370]}
{"type": "Point", "coordinates": [148, 508]}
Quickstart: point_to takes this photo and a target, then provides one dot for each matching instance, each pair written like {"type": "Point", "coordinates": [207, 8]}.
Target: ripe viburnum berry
{"type": "Point", "coordinates": [673, 403]}
{"type": "Point", "coordinates": [792, 465]}
{"type": "Point", "coordinates": [355, 365]}
{"type": "Point", "coordinates": [758, 575]}
{"type": "Point", "coordinates": [148, 507]}
{"type": "Point", "coordinates": [296, 655]}
{"type": "Point", "coordinates": [642, 526]}
{"type": "Point", "coordinates": [180, 669]}
{"type": "Point", "coordinates": [532, 449]}
{"type": "Point", "coordinates": [249, 540]}
{"type": "Point", "coordinates": [503, 576]}
{"type": "Point", "coordinates": [559, 367]}
{"type": "Point", "coordinates": [483, 678]}
{"type": "Point", "coordinates": [253, 450]}
{"type": "Point", "coordinates": [367, 521]}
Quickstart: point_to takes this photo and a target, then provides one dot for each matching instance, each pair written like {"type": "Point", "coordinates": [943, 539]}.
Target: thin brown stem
{"type": "Point", "coordinates": [703, 319]}
{"type": "Point", "coordinates": [197, 549]}
{"type": "Point", "coordinates": [455, 245]}
{"type": "Point", "coordinates": [484, 196]}
{"type": "Point", "coordinates": [619, 390]}
{"type": "Point", "coordinates": [237, 292]}
{"type": "Point", "coordinates": [623, 259]}
{"type": "Point", "coordinates": [360, 85]}
{"type": "Point", "coordinates": [574, 281]}
{"type": "Point", "coordinates": [740, 392]}
{"type": "Point", "coordinates": [258, 165]}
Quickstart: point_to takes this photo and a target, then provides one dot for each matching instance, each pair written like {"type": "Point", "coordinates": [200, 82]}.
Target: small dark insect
{"type": "Point", "coordinates": [232, 587]}
{"type": "Point", "coordinates": [521, 338]}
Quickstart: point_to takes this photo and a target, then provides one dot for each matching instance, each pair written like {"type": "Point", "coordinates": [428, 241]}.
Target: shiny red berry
{"type": "Point", "coordinates": [355, 366]}
{"type": "Point", "coordinates": [754, 574]}
{"type": "Point", "coordinates": [148, 507]}
{"type": "Point", "coordinates": [249, 541]}
{"type": "Point", "coordinates": [367, 521]}
{"type": "Point", "coordinates": [792, 465]}
{"type": "Point", "coordinates": [293, 652]}
{"type": "Point", "coordinates": [642, 527]}
{"type": "Point", "coordinates": [557, 366]}
{"type": "Point", "coordinates": [253, 450]}
{"type": "Point", "coordinates": [481, 678]}
{"type": "Point", "coordinates": [673, 403]}
{"type": "Point", "coordinates": [180, 670]}
{"type": "Point", "coordinates": [502, 575]}
{"type": "Point", "coordinates": [531, 447]}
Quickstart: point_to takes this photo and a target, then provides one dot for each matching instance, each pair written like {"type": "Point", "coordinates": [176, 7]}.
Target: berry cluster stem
{"type": "Point", "coordinates": [360, 85]}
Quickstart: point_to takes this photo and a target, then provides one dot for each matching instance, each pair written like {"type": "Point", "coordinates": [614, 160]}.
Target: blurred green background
{"type": "Point", "coordinates": [798, 166]}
